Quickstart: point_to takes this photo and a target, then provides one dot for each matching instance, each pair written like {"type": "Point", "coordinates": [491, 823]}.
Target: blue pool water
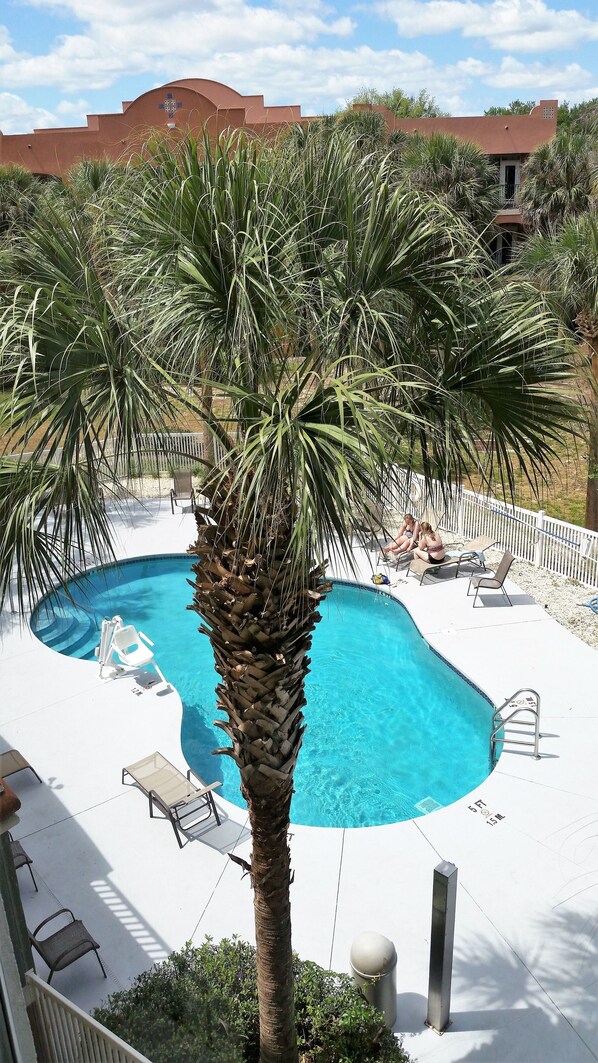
{"type": "Point", "coordinates": [393, 731]}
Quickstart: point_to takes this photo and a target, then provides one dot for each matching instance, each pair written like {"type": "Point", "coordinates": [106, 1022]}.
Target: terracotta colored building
{"type": "Point", "coordinates": [186, 104]}
{"type": "Point", "coordinates": [194, 102]}
{"type": "Point", "coordinates": [507, 139]}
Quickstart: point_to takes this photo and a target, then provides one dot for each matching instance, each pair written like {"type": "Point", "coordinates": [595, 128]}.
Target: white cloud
{"type": "Point", "coordinates": [73, 108]}
{"type": "Point", "coordinates": [515, 75]}
{"type": "Point", "coordinates": [16, 115]}
{"type": "Point", "coordinates": [142, 36]}
{"type": "Point", "coordinates": [506, 25]}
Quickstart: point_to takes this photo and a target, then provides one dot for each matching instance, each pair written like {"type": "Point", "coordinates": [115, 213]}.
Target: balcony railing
{"type": "Point", "coordinates": [62, 1032]}
{"type": "Point", "coordinates": [509, 194]}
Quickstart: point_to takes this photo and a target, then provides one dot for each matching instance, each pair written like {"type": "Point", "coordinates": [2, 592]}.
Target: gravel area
{"type": "Point", "coordinates": [563, 598]}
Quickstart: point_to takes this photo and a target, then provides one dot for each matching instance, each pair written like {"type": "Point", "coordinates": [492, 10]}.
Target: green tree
{"type": "Point", "coordinates": [515, 107]}
{"type": "Point", "coordinates": [457, 171]}
{"type": "Point", "coordinates": [558, 181]}
{"type": "Point", "coordinates": [581, 117]}
{"type": "Point", "coordinates": [402, 105]}
{"type": "Point", "coordinates": [565, 265]}
{"type": "Point", "coordinates": [337, 316]}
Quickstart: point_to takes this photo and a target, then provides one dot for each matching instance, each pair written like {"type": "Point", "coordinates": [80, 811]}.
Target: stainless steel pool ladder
{"type": "Point", "coordinates": [521, 710]}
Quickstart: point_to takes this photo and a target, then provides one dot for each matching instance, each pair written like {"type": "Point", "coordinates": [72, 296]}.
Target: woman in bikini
{"type": "Point", "coordinates": [406, 538]}
{"type": "Point", "coordinates": [430, 547]}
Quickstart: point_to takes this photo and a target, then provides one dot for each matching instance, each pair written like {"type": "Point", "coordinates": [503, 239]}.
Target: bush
{"type": "Point", "coordinates": [200, 1006]}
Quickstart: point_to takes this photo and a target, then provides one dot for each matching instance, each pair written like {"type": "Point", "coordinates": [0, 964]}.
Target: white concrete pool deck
{"type": "Point", "coordinates": [525, 981]}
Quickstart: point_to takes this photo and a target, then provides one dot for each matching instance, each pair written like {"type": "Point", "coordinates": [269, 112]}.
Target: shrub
{"type": "Point", "coordinates": [200, 1006]}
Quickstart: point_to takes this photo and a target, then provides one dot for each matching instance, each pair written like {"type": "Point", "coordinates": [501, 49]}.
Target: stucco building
{"type": "Point", "coordinates": [193, 103]}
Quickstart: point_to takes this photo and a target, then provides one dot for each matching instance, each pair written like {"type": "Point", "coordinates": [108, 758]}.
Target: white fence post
{"type": "Point", "coordinates": [539, 543]}
{"type": "Point", "coordinates": [459, 494]}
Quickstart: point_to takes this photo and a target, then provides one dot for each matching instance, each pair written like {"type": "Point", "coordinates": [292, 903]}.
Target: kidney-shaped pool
{"type": "Point", "coordinates": [393, 731]}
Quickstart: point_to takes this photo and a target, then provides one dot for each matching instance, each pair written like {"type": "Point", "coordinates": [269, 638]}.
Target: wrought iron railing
{"type": "Point", "coordinates": [509, 194]}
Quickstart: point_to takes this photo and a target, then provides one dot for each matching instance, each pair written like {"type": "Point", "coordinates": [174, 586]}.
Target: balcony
{"type": "Point", "coordinates": [509, 195]}
{"type": "Point", "coordinates": [61, 1031]}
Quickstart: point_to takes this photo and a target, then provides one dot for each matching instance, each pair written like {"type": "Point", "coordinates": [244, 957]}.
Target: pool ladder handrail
{"type": "Point", "coordinates": [524, 701]}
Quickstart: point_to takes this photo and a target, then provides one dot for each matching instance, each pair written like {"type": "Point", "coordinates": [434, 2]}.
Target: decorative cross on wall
{"type": "Point", "coordinates": [170, 105]}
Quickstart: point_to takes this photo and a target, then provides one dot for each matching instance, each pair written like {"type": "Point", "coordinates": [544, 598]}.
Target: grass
{"type": "Point", "coordinates": [563, 495]}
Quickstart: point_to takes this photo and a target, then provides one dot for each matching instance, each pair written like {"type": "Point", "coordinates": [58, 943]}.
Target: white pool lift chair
{"type": "Point", "coordinates": [130, 648]}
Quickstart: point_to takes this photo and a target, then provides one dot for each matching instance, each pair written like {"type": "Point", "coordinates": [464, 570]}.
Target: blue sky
{"type": "Point", "coordinates": [63, 59]}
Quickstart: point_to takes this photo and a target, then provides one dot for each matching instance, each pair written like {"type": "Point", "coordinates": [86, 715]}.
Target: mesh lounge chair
{"type": "Point", "coordinates": [181, 801]}
{"type": "Point", "coordinates": [183, 488]}
{"type": "Point", "coordinates": [65, 945]}
{"type": "Point", "coordinates": [13, 761]}
{"type": "Point", "coordinates": [20, 857]}
{"type": "Point", "coordinates": [471, 553]}
{"type": "Point", "coordinates": [492, 582]}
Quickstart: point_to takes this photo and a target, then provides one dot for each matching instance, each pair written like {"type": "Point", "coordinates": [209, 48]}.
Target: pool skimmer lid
{"type": "Point", "coordinates": [428, 805]}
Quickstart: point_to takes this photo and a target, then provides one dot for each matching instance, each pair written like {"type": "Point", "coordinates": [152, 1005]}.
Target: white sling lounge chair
{"type": "Point", "coordinates": [167, 788]}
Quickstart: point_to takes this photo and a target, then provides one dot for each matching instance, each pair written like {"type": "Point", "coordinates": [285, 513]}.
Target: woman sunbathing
{"type": "Point", "coordinates": [406, 538]}
{"type": "Point", "coordinates": [430, 547]}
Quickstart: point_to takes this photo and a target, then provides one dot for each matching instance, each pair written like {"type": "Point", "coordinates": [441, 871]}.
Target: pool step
{"type": "Point", "coordinates": [68, 634]}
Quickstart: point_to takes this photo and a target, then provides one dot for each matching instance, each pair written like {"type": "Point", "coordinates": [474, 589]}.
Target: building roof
{"type": "Point", "coordinates": [503, 134]}
{"type": "Point", "coordinates": [193, 103]}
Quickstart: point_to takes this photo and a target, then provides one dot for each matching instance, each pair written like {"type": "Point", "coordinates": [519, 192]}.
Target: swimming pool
{"type": "Point", "coordinates": [392, 732]}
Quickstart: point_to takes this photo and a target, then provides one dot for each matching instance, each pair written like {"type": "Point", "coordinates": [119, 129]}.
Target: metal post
{"type": "Point", "coordinates": [444, 898]}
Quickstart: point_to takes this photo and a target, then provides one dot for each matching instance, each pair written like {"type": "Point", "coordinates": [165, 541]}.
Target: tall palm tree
{"type": "Point", "coordinates": [565, 265]}
{"type": "Point", "coordinates": [558, 181]}
{"type": "Point", "coordinates": [335, 316]}
{"type": "Point", "coordinates": [457, 171]}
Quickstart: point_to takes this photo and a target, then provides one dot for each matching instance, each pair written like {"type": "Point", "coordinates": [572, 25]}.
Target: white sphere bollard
{"type": "Point", "coordinates": [374, 970]}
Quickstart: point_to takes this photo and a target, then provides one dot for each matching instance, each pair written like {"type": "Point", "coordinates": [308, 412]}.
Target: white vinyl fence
{"type": "Point", "coordinates": [546, 542]}
{"type": "Point", "coordinates": [531, 535]}
{"type": "Point", "coordinates": [63, 1033]}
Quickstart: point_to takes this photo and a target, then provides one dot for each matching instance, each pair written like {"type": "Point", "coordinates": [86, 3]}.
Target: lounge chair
{"type": "Point", "coordinates": [20, 857]}
{"type": "Point", "coordinates": [172, 792]}
{"type": "Point", "coordinates": [66, 945]}
{"type": "Point", "coordinates": [492, 582]}
{"type": "Point", "coordinates": [471, 553]}
{"type": "Point", "coordinates": [592, 604]}
{"type": "Point", "coordinates": [183, 488]}
{"type": "Point", "coordinates": [13, 761]}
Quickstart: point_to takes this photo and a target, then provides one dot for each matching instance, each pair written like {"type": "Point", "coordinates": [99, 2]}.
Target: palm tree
{"type": "Point", "coordinates": [19, 192]}
{"type": "Point", "coordinates": [558, 181]}
{"type": "Point", "coordinates": [565, 264]}
{"type": "Point", "coordinates": [335, 316]}
{"type": "Point", "coordinates": [457, 171]}
{"type": "Point", "coordinates": [81, 374]}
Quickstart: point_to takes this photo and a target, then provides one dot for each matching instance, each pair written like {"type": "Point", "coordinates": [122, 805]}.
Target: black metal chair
{"type": "Point", "coordinates": [66, 945]}
{"type": "Point", "coordinates": [20, 857]}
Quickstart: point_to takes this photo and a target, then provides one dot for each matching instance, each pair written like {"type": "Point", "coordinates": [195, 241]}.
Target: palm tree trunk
{"type": "Point", "coordinates": [259, 615]}
{"type": "Point", "coordinates": [271, 876]}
